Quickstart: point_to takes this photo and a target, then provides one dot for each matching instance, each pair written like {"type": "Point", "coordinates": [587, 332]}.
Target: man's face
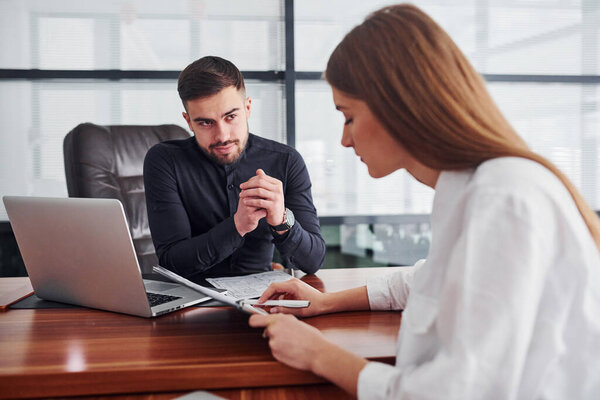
{"type": "Point", "coordinates": [220, 124]}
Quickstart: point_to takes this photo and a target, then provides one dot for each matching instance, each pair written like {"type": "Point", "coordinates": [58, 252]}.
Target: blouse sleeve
{"type": "Point", "coordinates": [390, 291]}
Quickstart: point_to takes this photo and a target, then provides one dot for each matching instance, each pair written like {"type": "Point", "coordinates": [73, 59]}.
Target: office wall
{"type": "Point", "coordinates": [542, 63]}
{"type": "Point", "coordinates": [66, 36]}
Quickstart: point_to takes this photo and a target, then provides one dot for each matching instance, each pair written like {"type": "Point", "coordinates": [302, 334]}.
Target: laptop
{"type": "Point", "coordinates": [79, 251]}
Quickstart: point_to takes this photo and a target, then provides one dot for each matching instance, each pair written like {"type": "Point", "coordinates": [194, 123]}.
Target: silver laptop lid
{"type": "Point", "coordinates": [79, 251]}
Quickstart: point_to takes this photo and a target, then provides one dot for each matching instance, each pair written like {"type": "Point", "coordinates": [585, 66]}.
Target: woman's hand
{"type": "Point", "coordinates": [302, 346]}
{"type": "Point", "coordinates": [292, 342]}
{"type": "Point", "coordinates": [295, 289]}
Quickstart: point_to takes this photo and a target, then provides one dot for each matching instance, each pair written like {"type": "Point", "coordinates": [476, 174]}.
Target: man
{"type": "Point", "coordinates": [219, 201]}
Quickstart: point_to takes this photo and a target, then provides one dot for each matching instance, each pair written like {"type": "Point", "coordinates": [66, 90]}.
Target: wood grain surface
{"type": "Point", "coordinates": [84, 352]}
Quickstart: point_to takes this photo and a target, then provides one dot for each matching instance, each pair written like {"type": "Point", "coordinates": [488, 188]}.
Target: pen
{"type": "Point", "coordinates": [282, 303]}
{"type": "Point", "coordinates": [252, 310]}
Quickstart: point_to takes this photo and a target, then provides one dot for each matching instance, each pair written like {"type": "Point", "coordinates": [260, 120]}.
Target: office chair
{"type": "Point", "coordinates": [107, 162]}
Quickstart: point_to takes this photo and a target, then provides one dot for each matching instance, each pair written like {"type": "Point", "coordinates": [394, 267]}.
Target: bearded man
{"type": "Point", "coordinates": [219, 202]}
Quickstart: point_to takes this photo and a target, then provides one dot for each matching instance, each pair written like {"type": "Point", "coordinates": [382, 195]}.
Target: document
{"type": "Point", "coordinates": [248, 286]}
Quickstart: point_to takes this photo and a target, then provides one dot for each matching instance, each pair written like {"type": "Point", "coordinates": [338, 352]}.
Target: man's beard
{"type": "Point", "coordinates": [224, 159]}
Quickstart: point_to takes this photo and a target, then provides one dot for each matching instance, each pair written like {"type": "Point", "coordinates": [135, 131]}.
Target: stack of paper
{"type": "Point", "coordinates": [248, 286]}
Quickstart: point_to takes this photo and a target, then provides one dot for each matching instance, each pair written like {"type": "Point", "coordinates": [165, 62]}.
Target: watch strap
{"type": "Point", "coordinates": [285, 225]}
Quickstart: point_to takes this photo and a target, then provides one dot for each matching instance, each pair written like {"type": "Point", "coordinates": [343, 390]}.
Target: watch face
{"type": "Point", "coordinates": [289, 218]}
{"type": "Point", "coordinates": [287, 223]}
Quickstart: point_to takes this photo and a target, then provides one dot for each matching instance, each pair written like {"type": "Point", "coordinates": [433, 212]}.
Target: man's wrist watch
{"type": "Point", "coordinates": [288, 221]}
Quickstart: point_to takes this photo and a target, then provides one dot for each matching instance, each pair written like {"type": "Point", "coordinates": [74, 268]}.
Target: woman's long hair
{"type": "Point", "coordinates": [423, 90]}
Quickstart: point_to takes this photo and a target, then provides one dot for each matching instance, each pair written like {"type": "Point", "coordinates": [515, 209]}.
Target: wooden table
{"type": "Point", "coordinates": [85, 352]}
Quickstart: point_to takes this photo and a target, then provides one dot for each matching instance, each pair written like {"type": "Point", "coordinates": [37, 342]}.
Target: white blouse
{"type": "Point", "coordinates": [507, 304]}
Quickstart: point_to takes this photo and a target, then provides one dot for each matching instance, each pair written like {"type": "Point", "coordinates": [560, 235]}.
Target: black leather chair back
{"type": "Point", "coordinates": [107, 162]}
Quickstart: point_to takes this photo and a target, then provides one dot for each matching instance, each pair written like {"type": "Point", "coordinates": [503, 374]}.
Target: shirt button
{"type": "Point", "coordinates": [230, 187]}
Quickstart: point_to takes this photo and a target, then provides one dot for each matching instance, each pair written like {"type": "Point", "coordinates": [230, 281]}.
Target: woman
{"type": "Point", "coordinates": [507, 304]}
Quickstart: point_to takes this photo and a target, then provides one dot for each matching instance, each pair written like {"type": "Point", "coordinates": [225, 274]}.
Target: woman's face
{"type": "Point", "coordinates": [369, 139]}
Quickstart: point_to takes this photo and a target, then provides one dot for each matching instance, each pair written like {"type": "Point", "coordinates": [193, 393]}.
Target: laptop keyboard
{"type": "Point", "coordinates": [155, 299]}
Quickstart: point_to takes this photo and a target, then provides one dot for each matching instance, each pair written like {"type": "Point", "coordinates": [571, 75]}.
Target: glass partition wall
{"type": "Point", "coordinates": [116, 62]}
{"type": "Point", "coordinates": [541, 61]}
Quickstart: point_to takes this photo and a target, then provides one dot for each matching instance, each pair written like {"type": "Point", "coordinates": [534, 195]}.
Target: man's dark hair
{"type": "Point", "coordinates": [208, 76]}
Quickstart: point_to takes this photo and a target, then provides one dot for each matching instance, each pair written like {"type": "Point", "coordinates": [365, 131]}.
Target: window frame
{"type": "Point", "coordinates": [288, 78]}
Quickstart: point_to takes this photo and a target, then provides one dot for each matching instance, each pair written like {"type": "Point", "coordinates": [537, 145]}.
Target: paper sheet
{"type": "Point", "coordinates": [248, 286]}
{"type": "Point", "coordinates": [9, 297]}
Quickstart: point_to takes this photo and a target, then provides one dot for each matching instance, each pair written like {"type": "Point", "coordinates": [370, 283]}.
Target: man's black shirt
{"type": "Point", "coordinates": [191, 201]}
